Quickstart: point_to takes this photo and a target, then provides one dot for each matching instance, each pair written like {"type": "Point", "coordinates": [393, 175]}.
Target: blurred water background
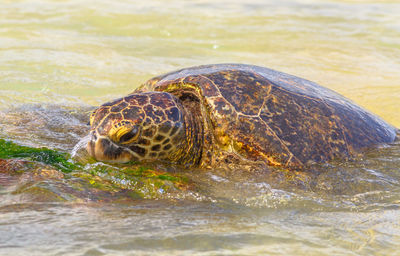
{"type": "Point", "coordinates": [59, 58]}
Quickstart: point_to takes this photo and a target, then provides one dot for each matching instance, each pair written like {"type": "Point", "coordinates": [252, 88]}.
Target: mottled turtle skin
{"type": "Point", "coordinates": [210, 114]}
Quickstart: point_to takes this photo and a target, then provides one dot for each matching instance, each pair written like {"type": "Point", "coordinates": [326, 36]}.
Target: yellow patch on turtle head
{"type": "Point", "coordinates": [124, 132]}
{"type": "Point", "coordinates": [91, 119]}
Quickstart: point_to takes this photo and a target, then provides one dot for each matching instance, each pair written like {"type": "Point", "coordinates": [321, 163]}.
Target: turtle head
{"type": "Point", "coordinates": [139, 127]}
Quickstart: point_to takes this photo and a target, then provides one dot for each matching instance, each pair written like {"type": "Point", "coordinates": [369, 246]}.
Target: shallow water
{"type": "Point", "coordinates": [58, 59]}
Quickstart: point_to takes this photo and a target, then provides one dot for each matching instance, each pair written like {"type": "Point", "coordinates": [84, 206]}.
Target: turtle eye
{"type": "Point", "coordinates": [124, 132]}
{"type": "Point", "coordinates": [130, 136]}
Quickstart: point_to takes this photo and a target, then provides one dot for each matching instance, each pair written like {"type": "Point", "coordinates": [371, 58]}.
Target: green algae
{"type": "Point", "coordinates": [10, 150]}
{"type": "Point", "coordinates": [77, 179]}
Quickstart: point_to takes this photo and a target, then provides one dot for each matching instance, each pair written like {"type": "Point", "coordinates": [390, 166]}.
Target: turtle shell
{"type": "Point", "coordinates": [273, 116]}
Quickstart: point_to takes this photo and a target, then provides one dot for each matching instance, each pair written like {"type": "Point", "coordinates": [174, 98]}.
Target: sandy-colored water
{"type": "Point", "coordinates": [59, 58]}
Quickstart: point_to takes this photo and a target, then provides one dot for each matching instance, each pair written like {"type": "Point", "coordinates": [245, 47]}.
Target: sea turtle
{"type": "Point", "coordinates": [203, 115]}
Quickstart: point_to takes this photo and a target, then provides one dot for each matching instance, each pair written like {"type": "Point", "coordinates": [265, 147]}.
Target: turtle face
{"type": "Point", "coordinates": [138, 127]}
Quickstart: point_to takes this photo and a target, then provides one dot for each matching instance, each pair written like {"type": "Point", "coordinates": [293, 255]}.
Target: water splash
{"type": "Point", "coordinates": [79, 153]}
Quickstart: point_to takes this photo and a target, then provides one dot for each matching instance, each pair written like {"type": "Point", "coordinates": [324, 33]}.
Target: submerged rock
{"type": "Point", "coordinates": [43, 175]}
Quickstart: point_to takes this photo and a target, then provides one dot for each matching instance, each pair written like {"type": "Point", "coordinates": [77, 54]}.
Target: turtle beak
{"type": "Point", "coordinates": [102, 149]}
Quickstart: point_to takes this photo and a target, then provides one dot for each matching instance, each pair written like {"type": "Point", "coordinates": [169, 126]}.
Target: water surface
{"type": "Point", "coordinates": [59, 59]}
